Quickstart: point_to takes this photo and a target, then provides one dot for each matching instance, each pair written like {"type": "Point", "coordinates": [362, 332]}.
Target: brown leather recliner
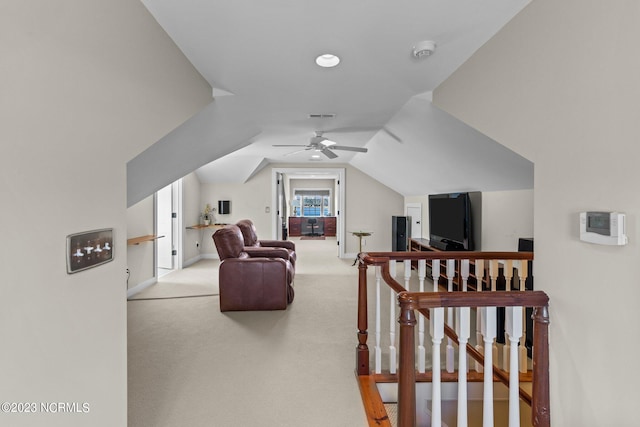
{"type": "Point", "coordinates": [252, 283]}
{"type": "Point", "coordinates": [251, 240]}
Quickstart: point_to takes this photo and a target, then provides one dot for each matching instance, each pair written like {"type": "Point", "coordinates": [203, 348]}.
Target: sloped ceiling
{"type": "Point", "coordinates": [260, 56]}
{"type": "Point", "coordinates": [423, 150]}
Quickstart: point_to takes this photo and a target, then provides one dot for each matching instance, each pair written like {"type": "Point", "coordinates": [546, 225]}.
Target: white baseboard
{"type": "Point", "coordinates": [210, 256]}
{"type": "Point", "coordinates": [141, 286]}
{"type": "Point", "coordinates": [191, 261]}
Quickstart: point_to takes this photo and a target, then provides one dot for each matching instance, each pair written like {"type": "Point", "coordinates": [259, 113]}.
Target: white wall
{"type": "Point", "coordinates": [141, 258]}
{"type": "Point", "coordinates": [369, 205]}
{"type": "Point", "coordinates": [85, 86]}
{"type": "Point", "coordinates": [506, 216]}
{"type": "Point", "coordinates": [559, 84]}
{"type": "Point", "coordinates": [248, 201]}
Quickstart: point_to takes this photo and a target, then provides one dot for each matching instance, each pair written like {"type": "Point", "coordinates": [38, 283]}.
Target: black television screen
{"type": "Point", "coordinates": [450, 221]}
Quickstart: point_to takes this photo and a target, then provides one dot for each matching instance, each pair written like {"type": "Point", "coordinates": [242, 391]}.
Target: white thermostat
{"type": "Point", "coordinates": [603, 228]}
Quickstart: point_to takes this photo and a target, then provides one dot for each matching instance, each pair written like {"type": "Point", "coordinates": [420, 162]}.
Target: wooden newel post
{"type": "Point", "coordinates": [362, 351]}
{"type": "Point", "coordinates": [407, 368]}
{"type": "Point", "coordinates": [540, 400]}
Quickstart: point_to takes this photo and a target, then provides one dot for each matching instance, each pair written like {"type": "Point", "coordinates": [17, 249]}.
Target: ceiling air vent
{"type": "Point", "coordinates": [321, 116]}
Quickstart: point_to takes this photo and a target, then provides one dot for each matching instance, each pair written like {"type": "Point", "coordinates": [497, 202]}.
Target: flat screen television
{"type": "Point", "coordinates": [450, 225]}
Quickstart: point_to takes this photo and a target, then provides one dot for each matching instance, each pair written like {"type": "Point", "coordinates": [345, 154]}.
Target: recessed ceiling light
{"type": "Point", "coordinates": [315, 156]}
{"type": "Point", "coordinates": [327, 60]}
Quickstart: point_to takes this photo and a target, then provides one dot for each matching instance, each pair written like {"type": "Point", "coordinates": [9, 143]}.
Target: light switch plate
{"type": "Point", "coordinates": [89, 249]}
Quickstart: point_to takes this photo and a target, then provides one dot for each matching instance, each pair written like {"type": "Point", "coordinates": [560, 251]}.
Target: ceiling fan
{"type": "Point", "coordinates": [323, 145]}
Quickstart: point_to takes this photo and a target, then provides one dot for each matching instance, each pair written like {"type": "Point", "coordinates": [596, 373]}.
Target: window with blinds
{"type": "Point", "coordinates": [316, 202]}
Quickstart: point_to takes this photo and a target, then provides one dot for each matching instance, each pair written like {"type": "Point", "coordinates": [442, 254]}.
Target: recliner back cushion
{"type": "Point", "coordinates": [229, 242]}
{"type": "Point", "coordinates": [249, 232]}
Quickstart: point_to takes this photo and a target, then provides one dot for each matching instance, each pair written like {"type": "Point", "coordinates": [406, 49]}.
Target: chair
{"type": "Point", "coordinates": [252, 243]}
{"type": "Point", "coordinates": [312, 222]}
{"type": "Point", "coordinates": [247, 282]}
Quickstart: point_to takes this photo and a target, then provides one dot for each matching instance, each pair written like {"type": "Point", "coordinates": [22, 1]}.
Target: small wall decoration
{"type": "Point", "coordinates": [224, 207]}
{"type": "Point", "coordinates": [89, 249]}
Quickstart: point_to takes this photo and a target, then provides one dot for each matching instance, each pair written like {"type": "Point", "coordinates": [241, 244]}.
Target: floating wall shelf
{"type": "Point", "coordinates": [202, 226]}
{"type": "Point", "coordinates": [142, 239]}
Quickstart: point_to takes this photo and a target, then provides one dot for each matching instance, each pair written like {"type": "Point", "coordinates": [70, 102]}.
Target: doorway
{"type": "Point", "coordinates": [281, 200]}
{"type": "Point", "coordinates": [414, 211]}
{"type": "Point", "coordinates": [167, 216]}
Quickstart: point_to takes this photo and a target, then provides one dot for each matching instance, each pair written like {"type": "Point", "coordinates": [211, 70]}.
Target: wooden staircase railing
{"type": "Point", "coordinates": [423, 302]}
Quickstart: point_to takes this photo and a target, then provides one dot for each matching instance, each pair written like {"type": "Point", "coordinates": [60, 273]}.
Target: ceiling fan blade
{"type": "Point", "coordinates": [346, 148]}
{"type": "Point", "coordinates": [296, 152]}
{"type": "Point", "coordinates": [289, 145]}
{"type": "Point", "coordinates": [330, 154]}
{"type": "Point", "coordinates": [353, 129]}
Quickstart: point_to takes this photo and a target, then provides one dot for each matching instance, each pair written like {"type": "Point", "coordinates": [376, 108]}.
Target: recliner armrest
{"type": "Point", "coordinates": [266, 252]}
{"type": "Point", "coordinates": [288, 244]}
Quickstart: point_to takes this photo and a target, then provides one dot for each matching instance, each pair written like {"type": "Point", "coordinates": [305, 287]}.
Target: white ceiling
{"type": "Point", "coordinates": [261, 54]}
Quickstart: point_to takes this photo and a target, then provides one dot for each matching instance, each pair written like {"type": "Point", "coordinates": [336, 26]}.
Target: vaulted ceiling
{"type": "Point", "coordinates": [259, 58]}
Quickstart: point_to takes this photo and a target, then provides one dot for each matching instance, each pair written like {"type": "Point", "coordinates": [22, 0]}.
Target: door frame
{"type": "Point", "coordinates": [338, 174]}
{"type": "Point", "coordinates": [414, 222]}
{"type": "Point", "coordinates": [176, 226]}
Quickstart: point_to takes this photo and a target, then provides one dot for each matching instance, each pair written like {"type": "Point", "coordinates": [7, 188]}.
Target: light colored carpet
{"type": "Point", "coordinates": [191, 365]}
{"type": "Point", "coordinates": [199, 279]}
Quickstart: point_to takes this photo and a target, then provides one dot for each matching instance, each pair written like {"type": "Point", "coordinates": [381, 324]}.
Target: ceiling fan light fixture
{"type": "Point", "coordinates": [327, 60]}
{"type": "Point", "coordinates": [328, 142]}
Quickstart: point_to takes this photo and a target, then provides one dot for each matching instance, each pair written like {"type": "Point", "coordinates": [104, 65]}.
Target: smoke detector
{"type": "Point", "coordinates": [424, 48]}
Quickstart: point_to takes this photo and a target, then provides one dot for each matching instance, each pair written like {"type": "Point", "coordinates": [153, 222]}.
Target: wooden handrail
{"type": "Point", "coordinates": [426, 300]}
{"type": "Point", "coordinates": [383, 263]}
{"type": "Point", "coordinates": [540, 399]}
{"type": "Point", "coordinates": [379, 258]}
{"type": "Point", "coordinates": [411, 301]}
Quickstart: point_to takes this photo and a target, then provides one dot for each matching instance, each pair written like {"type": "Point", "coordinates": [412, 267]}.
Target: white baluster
{"type": "Point", "coordinates": [506, 349]}
{"type": "Point", "coordinates": [407, 273]}
{"type": "Point", "coordinates": [522, 349]}
{"type": "Point", "coordinates": [422, 352]}
{"type": "Point", "coordinates": [392, 334]}
{"type": "Point", "coordinates": [392, 322]}
{"type": "Point", "coordinates": [489, 334]}
{"type": "Point", "coordinates": [513, 317]}
{"type": "Point", "coordinates": [435, 273]}
{"type": "Point", "coordinates": [494, 271]}
{"type": "Point", "coordinates": [451, 272]}
{"type": "Point", "coordinates": [463, 329]}
{"type": "Point", "coordinates": [437, 333]}
{"type": "Point", "coordinates": [464, 274]}
{"type": "Point", "coordinates": [479, 278]}
{"type": "Point", "coordinates": [377, 349]}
